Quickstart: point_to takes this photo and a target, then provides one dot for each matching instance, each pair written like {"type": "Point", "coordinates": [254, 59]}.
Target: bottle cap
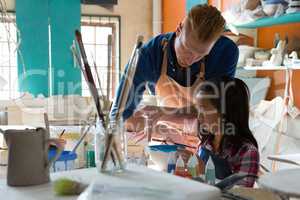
{"type": "Point", "coordinates": [193, 161]}
{"type": "Point", "coordinates": [180, 162]}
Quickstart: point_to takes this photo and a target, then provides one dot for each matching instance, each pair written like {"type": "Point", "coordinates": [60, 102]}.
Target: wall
{"type": "Point", "coordinates": [173, 13]}
{"type": "Point", "coordinates": [136, 18]}
{"type": "Point", "coordinates": [265, 40]}
{"type": "Point", "coordinates": [10, 4]}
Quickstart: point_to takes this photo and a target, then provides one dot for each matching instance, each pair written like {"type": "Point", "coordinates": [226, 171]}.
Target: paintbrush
{"type": "Point", "coordinates": [123, 97]}
{"type": "Point", "coordinates": [62, 133]}
{"type": "Point", "coordinates": [92, 86]}
{"type": "Point", "coordinates": [90, 80]}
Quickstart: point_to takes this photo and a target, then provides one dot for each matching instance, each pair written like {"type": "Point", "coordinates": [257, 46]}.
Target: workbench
{"type": "Point", "coordinates": [136, 176]}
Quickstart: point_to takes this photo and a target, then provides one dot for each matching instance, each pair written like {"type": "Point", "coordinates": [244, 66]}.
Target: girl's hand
{"type": "Point", "coordinates": [59, 143]}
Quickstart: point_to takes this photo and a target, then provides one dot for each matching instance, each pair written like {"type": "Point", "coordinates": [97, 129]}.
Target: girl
{"type": "Point", "coordinates": [223, 106]}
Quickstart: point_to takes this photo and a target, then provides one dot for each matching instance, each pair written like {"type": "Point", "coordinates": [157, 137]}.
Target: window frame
{"type": "Point", "coordinates": [12, 93]}
{"type": "Point", "coordinates": [117, 28]}
{"type": "Point", "coordinates": [118, 51]}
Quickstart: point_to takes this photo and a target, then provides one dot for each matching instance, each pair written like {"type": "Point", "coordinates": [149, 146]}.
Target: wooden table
{"type": "Point", "coordinates": [283, 182]}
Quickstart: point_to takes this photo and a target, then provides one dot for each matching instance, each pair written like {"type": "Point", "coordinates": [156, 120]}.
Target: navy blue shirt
{"type": "Point", "coordinates": [221, 61]}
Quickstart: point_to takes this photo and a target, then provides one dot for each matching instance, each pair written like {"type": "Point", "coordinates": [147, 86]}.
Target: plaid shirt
{"type": "Point", "coordinates": [243, 160]}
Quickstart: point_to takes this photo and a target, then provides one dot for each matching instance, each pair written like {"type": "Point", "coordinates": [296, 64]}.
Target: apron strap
{"type": "Point", "coordinates": [202, 69]}
{"type": "Point", "coordinates": [164, 43]}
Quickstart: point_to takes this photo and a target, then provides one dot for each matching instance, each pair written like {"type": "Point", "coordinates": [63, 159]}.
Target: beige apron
{"type": "Point", "coordinates": [170, 93]}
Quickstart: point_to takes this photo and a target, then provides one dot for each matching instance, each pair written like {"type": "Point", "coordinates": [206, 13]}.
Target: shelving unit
{"type": "Point", "coordinates": [270, 21]}
{"type": "Point", "coordinates": [288, 106]}
{"type": "Point", "coordinates": [271, 68]}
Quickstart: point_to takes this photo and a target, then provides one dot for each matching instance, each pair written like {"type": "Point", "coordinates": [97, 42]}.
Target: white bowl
{"type": "Point", "coordinates": [262, 55]}
{"type": "Point", "coordinates": [159, 154]}
{"type": "Point", "coordinates": [244, 53]}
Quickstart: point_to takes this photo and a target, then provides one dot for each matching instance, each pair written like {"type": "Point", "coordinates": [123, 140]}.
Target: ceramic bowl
{"type": "Point", "coordinates": [159, 154]}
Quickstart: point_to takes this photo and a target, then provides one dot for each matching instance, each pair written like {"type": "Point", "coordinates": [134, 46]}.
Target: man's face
{"type": "Point", "coordinates": [188, 48]}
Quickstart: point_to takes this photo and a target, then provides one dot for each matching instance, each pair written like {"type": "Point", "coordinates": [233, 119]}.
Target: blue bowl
{"type": "Point", "coordinates": [164, 148]}
{"type": "Point", "coordinates": [65, 155]}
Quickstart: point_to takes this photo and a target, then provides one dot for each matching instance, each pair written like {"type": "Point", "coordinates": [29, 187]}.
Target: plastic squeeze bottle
{"type": "Point", "coordinates": [171, 162]}
{"type": "Point", "coordinates": [180, 169]}
{"type": "Point", "coordinates": [192, 166]}
{"type": "Point", "coordinates": [210, 173]}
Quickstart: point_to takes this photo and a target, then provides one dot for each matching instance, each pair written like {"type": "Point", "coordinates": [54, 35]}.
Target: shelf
{"type": "Point", "coordinates": [270, 21]}
{"type": "Point", "coordinates": [271, 68]}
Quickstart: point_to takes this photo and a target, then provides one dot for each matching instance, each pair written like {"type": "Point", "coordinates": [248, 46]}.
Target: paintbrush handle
{"type": "Point", "coordinates": [109, 65]}
{"type": "Point", "coordinates": [107, 151]}
{"type": "Point", "coordinates": [89, 76]}
{"type": "Point", "coordinates": [129, 75]}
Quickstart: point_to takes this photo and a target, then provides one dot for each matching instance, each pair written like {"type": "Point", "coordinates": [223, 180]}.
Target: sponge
{"type": "Point", "coordinates": [68, 187]}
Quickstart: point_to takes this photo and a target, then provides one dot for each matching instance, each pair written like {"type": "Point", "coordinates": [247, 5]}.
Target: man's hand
{"type": "Point", "coordinates": [185, 154]}
{"type": "Point", "coordinates": [179, 116]}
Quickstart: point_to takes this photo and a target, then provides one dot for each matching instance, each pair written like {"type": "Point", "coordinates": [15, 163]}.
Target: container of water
{"type": "Point", "coordinates": [65, 162]}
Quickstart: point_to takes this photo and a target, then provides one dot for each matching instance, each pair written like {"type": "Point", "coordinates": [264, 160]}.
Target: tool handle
{"type": "Point", "coordinates": [129, 75]}
{"type": "Point", "coordinates": [89, 76]}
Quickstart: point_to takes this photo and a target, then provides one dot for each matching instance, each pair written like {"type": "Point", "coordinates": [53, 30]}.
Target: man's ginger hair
{"type": "Point", "coordinates": [206, 22]}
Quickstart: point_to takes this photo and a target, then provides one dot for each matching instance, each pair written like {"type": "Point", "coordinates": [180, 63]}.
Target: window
{"type": "Point", "coordinates": [95, 31]}
{"type": "Point", "coordinates": [8, 58]}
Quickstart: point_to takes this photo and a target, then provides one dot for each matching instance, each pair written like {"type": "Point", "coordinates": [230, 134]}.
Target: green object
{"type": "Point", "coordinates": [64, 19]}
{"type": "Point", "coordinates": [270, 21]}
{"type": "Point", "coordinates": [67, 187]}
{"type": "Point", "coordinates": [32, 22]}
{"type": "Point", "coordinates": [192, 171]}
{"type": "Point", "coordinates": [90, 159]}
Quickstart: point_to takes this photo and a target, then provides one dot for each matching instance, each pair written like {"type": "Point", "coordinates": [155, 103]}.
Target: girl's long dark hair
{"type": "Point", "coordinates": [231, 98]}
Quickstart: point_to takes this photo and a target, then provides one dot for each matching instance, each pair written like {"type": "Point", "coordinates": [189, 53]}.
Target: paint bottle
{"type": "Point", "coordinates": [180, 168]}
{"type": "Point", "coordinates": [90, 156]}
{"type": "Point", "coordinates": [210, 173]}
{"type": "Point", "coordinates": [192, 166]}
{"type": "Point", "coordinates": [171, 162]}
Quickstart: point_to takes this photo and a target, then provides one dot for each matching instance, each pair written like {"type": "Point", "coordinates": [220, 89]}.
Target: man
{"type": "Point", "coordinates": [173, 65]}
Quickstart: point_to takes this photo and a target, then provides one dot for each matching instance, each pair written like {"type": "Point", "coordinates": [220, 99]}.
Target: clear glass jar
{"type": "Point", "coordinates": [99, 141]}
{"type": "Point", "coordinates": [116, 161]}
